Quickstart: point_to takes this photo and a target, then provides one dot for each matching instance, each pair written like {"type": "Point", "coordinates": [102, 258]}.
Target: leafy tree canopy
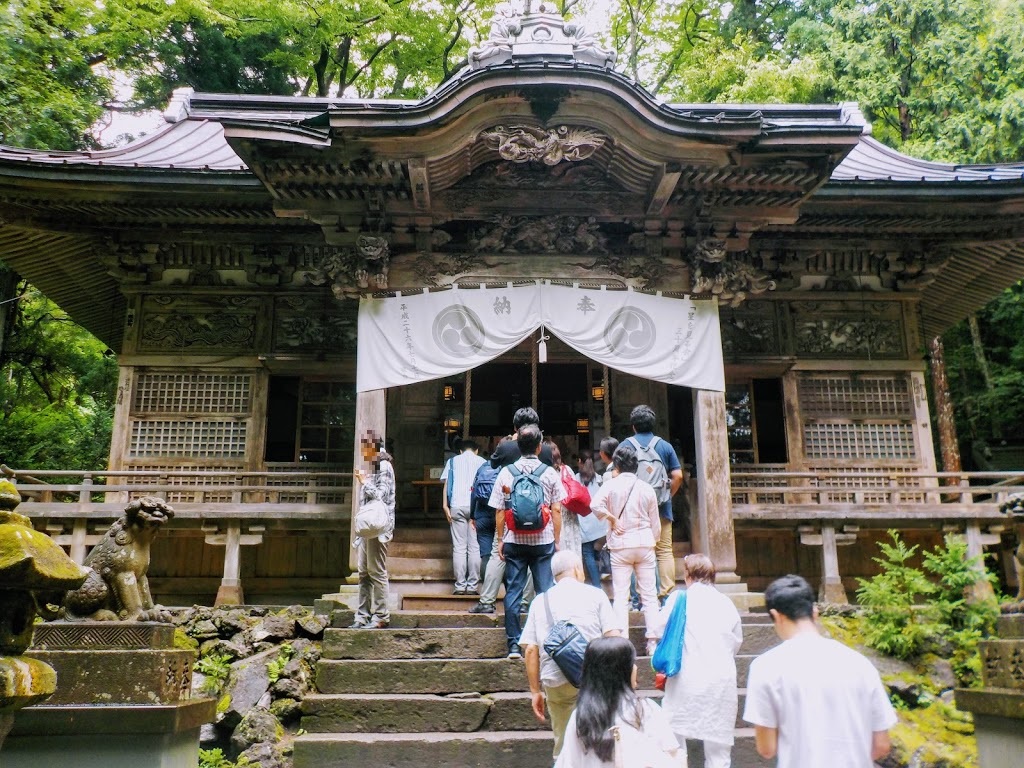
{"type": "Point", "coordinates": [57, 389]}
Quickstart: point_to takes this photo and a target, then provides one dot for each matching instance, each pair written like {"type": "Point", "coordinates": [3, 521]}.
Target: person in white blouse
{"type": "Point", "coordinates": [701, 701]}
{"type": "Point", "coordinates": [630, 507]}
{"type": "Point", "coordinates": [612, 726]}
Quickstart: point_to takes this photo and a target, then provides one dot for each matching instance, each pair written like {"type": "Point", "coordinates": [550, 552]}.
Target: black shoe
{"type": "Point", "coordinates": [514, 651]}
{"type": "Point", "coordinates": [482, 607]}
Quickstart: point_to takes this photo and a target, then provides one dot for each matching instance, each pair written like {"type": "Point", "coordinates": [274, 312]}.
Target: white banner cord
{"type": "Point", "coordinates": [418, 337]}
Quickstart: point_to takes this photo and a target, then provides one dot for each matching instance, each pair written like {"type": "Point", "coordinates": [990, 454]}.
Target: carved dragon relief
{"type": "Point", "coordinates": [550, 146]}
{"type": "Point", "coordinates": [539, 247]}
{"type": "Point", "coordinates": [731, 280]}
{"type": "Point", "coordinates": [351, 271]}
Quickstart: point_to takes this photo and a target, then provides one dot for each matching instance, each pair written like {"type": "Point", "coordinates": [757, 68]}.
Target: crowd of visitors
{"type": "Point", "coordinates": [812, 701]}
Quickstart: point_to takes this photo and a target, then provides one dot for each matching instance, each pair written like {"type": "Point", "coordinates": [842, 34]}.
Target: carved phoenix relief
{"type": "Point", "coordinates": [529, 144]}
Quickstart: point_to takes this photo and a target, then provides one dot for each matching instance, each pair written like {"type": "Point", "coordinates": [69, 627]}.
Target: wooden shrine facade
{"type": "Point", "coordinates": [222, 259]}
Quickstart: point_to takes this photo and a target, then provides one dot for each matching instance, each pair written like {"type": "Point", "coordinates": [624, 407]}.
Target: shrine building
{"type": "Point", "coordinates": [224, 259]}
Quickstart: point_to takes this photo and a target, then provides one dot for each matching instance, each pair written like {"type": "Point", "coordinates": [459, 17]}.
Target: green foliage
{"type": "Point", "coordinates": [51, 89]}
{"type": "Point", "coordinates": [57, 391]}
{"type": "Point", "coordinates": [983, 413]}
{"type": "Point", "coordinates": [894, 624]}
{"type": "Point", "coordinates": [907, 607]}
{"type": "Point", "coordinates": [216, 668]}
{"type": "Point", "coordinates": [215, 758]}
{"type": "Point", "coordinates": [276, 666]}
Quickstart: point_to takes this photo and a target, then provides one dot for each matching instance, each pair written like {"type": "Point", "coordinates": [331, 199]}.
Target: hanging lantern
{"type": "Point", "coordinates": [449, 392]}
{"type": "Point", "coordinates": [597, 392]}
{"type": "Point", "coordinates": [583, 425]}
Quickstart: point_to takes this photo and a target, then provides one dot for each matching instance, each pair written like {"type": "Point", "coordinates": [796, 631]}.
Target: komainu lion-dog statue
{"type": "Point", "coordinates": [117, 588]}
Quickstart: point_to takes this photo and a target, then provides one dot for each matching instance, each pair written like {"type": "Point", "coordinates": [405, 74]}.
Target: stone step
{"type": "Point", "coordinates": [481, 641]}
{"type": "Point", "coordinates": [439, 602]}
{"type": "Point", "coordinates": [424, 713]}
{"type": "Point", "coordinates": [448, 676]}
{"type": "Point", "coordinates": [494, 749]}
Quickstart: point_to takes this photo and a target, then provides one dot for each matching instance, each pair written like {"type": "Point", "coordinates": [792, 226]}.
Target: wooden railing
{"type": "Point", "coordinates": [871, 495]}
{"type": "Point", "coordinates": [193, 494]}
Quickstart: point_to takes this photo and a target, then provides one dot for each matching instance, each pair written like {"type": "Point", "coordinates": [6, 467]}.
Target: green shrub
{"type": "Point", "coordinates": [894, 623]}
{"type": "Point", "coordinates": [276, 667]}
{"type": "Point", "coordinates": [906, 608]}
{"type": "Point", "coordinates": [216, 668]}
{"type": "Point", "coordinates": [214, 758]}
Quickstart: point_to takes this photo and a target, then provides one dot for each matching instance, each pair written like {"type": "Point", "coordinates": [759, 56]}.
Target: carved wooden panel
{"type": "Point", "coordinates": [198, 323]}
{"type": "Point", "coordinates": [319, 324]}
{"type": "Point", "coordinates": [838, 329]}
{"type": "Point", "coordinates": [752, 330]}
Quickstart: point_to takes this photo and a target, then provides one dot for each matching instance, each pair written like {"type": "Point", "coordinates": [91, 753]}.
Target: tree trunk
{"type": "Point", "coordinates": [986, 373]}
{"type": "Point", "coordinates": [944, 417]}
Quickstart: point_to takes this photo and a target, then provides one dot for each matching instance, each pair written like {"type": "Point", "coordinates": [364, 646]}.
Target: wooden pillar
{"type": "Point", "coordinates": [949, 447]}
{"type": "Point", "coordinates": [230, 591]}
{"type": "Point", "coordinates": [714, 502]}
{"type": "Point", "coordinates": [371, 422]}
{"type": "Point", "coordinates": [831, 589]}
{"type": "Point", "coordinates": [976, 541]}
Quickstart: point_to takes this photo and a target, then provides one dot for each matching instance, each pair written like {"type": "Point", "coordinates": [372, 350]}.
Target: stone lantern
{"type": "Point", "coordinates": [31, 566]}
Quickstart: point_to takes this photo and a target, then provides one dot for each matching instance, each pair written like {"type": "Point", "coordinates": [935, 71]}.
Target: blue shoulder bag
{"type": "Point", "coordinates": [668, 656]}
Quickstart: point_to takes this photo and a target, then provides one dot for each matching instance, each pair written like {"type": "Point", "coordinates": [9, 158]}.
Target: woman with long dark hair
{"type": "Point", "coordinates": [611, 718]}
{"type": "Point", "coordinates": [571, 539]}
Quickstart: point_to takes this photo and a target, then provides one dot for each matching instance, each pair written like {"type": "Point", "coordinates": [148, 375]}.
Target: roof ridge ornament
{"type": "Point", "coordinates": [542, 34]}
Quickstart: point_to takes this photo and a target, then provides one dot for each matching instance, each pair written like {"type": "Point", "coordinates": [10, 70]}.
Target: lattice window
{"type": "Point", "coordinates": [191, 439]}
{"type": "Point", "coordinates": [856, 397]}
{"type": "Point", "coordinates": [834, 440]}
{"type": "Point", "coordinates": [193, 393]}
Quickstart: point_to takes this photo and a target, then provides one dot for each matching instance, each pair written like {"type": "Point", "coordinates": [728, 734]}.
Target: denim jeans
{"type": "Point", "coordinates": [590, 566]}
{"type": "Point", "coordinates": [520, 558]}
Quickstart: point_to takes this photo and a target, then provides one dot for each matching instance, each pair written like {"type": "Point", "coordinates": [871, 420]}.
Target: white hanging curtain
{"type": "Point", "coordinates": [406, 339]}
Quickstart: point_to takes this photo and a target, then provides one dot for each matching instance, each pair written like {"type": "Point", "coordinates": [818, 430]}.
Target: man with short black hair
{"type": "Point", "coordinates": [813, 701]}
{"type": "Point", "coordinates": [589, 610]}
{"type": "Point", "coordinates": [526, 551]}
{"type": "Point", "coordinates": [506, 452]}
{"type": "Point", "coordinates": [660, 468]}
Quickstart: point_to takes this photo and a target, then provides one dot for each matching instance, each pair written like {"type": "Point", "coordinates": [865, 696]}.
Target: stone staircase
{"type": "Point", "coordinates": [435, 689]}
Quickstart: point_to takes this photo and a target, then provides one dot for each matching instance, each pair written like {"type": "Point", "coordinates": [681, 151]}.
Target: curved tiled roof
{"type": "Point", "coordinates": [197, 145]}
{"type": "Point", "coordinates": [870, 160]}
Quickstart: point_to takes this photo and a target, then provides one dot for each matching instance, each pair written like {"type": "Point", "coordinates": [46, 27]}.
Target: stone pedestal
{"type": "Point", "coordinates": [123, 698]}
{"type": "Point", "coordinates": [998, 707]}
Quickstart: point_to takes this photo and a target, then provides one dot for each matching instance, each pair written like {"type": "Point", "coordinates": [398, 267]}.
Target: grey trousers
{"type": "Point", "coordinates": [495, 577]}
{"type": "Point", "coordinates": [373, 582]}
{"type": "Point", "coordinates": [465, 551]}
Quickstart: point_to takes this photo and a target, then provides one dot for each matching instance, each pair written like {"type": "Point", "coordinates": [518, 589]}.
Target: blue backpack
{"type": "Point", "coordinates": [525, 510]}
{"type": "Point", "coordinates": [483, 484]}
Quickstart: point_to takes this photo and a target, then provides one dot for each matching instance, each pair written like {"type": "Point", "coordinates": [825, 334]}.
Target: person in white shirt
{"type": "Point", "coordinates": [569, 600]}
{"type": "Point", "coordinates": [458, 477]}
{"type": "Point", "coordinates": [630, 507]}
{"type": "Point", "coordinates": [813, 701]}
{"type": "Point", "coordinates": [610, 718]}
{"type": "Point", "coordinates": [701, 701]}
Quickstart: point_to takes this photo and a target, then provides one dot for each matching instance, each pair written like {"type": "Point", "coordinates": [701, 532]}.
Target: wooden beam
{"type": "Point", "coordinates": [662, 187]}
{"type": "Point", "coordinates": [714, 503]}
